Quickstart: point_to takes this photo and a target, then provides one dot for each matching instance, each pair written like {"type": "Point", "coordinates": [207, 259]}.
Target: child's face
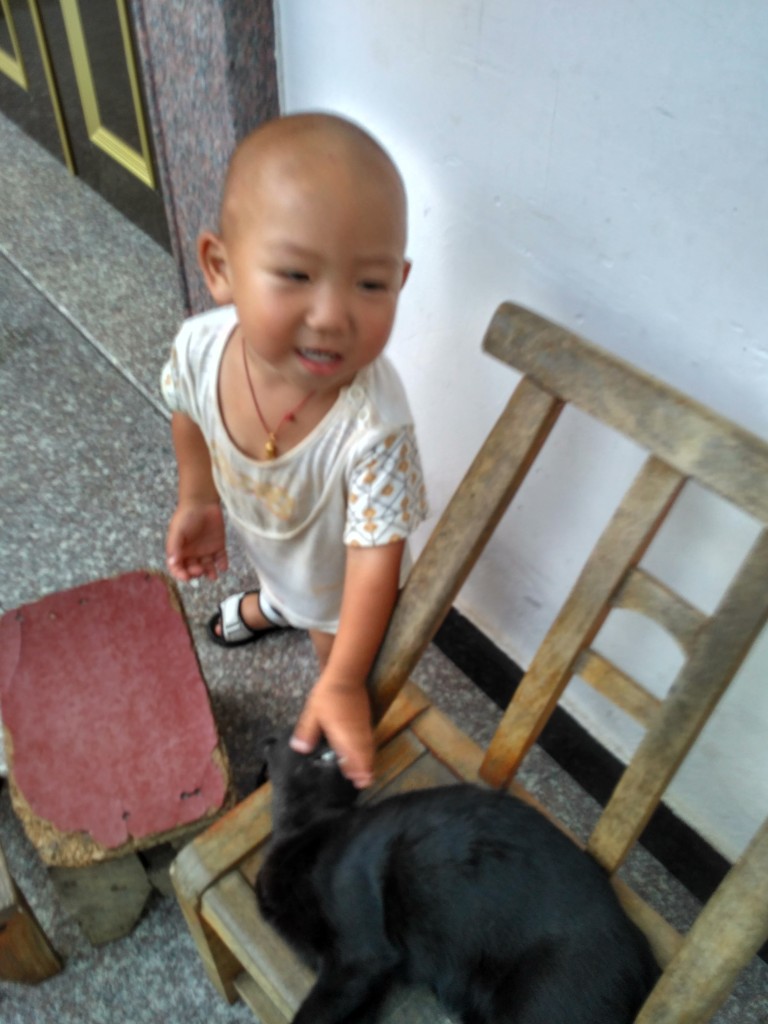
{"type": "Point", "coordinates": [314, 265]}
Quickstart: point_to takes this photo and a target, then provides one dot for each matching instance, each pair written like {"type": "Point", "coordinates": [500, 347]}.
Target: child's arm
{"type": "Point", "coordinates": [196, 541]}
{"type": "Point", "coordinates": [338, 706]}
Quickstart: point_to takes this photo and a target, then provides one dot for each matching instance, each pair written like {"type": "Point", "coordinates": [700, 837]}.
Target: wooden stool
{"type": "Point", "coordinates": [114, 757]}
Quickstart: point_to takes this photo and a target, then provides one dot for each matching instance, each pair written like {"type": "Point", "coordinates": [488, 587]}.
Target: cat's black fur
{"type": "Point", "coordinates": [467, 890]}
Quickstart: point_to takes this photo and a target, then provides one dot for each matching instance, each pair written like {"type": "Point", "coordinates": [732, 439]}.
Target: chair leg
{"type": "Point", "coordinates": [726, 935]}
{"type": "Point", "coordinates": [221, 966]}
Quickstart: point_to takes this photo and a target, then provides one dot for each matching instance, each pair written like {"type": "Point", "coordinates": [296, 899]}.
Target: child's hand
{"type": "Point", "coordinates": [196, 541]}
{"type": "Point", "coordinates": [342, 713]}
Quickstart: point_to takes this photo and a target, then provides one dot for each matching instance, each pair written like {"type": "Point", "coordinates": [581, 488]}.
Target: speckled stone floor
{"type": "Point", "coordinates": [88, 307]}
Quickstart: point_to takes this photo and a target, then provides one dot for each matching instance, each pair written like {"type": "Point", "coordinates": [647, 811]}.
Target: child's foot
{"type": "Point", "coordinates": [239, 621]}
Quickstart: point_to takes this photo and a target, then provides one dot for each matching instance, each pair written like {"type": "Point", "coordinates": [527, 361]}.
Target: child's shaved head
{"type": "Point", "coordinates": [305, 148]}
{"type": "Point", "coordinates": [311, 243]}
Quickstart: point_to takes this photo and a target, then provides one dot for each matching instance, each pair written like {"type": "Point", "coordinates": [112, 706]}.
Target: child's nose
{"type": "Point", "coordinates": [328, 311]}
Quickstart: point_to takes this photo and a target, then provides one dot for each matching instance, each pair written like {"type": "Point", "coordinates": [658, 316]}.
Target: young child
{"type": "Point", "coordinates": [286, 412]}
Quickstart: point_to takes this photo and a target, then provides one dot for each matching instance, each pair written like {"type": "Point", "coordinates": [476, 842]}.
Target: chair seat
{"type": "Point", "coordinates": [274, 980]}
{"type": "Point", "coordinates": [418, 748]}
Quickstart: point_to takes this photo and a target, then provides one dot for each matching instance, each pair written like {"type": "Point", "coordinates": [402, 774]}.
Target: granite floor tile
{"type": "Point", "coordinates": [119, 287]}
{"type": "Point", "coordinates": [86, 461]}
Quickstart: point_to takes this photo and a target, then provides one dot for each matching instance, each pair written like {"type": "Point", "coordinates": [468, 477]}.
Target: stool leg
{"type": "Point", "coordinates": [107, 898]}
{"type": "Point", "coordinates": [26, 955]}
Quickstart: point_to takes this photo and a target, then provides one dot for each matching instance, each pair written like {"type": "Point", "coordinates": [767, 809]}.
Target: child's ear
{"type": "Point", "coordinates": [406, 272]}
{"type": "Point", "coordinates": [212, 257]}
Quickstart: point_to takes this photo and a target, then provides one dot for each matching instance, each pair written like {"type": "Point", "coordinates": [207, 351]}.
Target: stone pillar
{"type": "Point", "coordinates": [209, 76]}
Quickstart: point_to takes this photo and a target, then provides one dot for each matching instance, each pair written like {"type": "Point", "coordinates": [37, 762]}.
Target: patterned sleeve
{"type": "Point", "coordinates": [386, 498]}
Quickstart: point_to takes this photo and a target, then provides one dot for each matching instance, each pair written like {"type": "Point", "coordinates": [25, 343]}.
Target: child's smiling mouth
{"type": "Point", "coordinates": [319, 360]}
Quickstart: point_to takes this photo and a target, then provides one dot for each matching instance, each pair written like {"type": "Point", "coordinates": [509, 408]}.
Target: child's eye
{"type": "Point", "coordinates": [294, 275]}
{"type": "Point", "coordinates": [373, 286]}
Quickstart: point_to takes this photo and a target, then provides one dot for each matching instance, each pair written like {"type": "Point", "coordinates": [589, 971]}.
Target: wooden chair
{"type": "Point", "coordinates": [419, 746]}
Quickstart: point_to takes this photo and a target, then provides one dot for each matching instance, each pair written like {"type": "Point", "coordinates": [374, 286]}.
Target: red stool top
{"type": "Point", "coordinates": [107, 715]}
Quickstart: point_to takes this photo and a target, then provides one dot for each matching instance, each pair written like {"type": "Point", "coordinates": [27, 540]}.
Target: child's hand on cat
{"type": "Point", "coordinates": [342, 713]}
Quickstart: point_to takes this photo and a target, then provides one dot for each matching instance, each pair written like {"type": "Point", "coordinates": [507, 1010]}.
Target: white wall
{"type": "Point", "coordinates": [605, 164]}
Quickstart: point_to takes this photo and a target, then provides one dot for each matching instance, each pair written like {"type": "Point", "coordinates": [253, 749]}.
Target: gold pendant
{"type": "Point", "coordinates": [270, 448]}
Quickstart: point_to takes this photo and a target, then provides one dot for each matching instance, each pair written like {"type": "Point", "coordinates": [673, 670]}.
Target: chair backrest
{"type": "Point", "coordinates": [684, 441]}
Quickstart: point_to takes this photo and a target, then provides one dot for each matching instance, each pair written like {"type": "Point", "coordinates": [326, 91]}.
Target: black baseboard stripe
{"type": "Point", "coordinates": [682, 851]}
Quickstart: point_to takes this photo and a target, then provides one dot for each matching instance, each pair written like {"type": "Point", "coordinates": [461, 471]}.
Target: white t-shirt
{"type": "Point", "coordinates": [354, 480]}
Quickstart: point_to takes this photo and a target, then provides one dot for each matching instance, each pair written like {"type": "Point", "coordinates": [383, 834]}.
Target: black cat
{"type": "Point", "coordinates": [467, 890]}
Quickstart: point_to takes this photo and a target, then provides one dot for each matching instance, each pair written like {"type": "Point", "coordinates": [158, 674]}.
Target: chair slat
{"type": "Point", "coordinates": [463, 531]}
{"type": "Point", "coordinates": [715, 657]}
{"type": "Point", "coordinates": [645, 594]}
{"type": "Point", "coordinates": [621, 545]}
{"type": "Point", "coordinates": [392, 759]}
{"type": "Point", "coordinates": [426, 773]}
{"type": "Point", "coordinates": [665, 940]}
{"type": "Point", "coordinates": [450, 745]}
{"type": "Point", "coordinates": [723, 939]}
{"type": "Point", "coordinates": [409, 704]}
{"type": "Point", "coordinates": [687, 435]}
{"type": "Point", "coordinates": [604, 677]}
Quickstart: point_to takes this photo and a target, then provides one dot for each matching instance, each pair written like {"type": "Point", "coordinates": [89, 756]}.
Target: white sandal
{"type": "Point", "coordinates": [234, 632]}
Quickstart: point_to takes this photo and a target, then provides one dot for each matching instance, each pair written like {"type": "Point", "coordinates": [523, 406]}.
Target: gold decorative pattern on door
{"type": "Point", "coordinates": [137, 162]}
{"type": "Point", "coordinates": [11, 62]}
{"type": "Point", "coordinates": [69, 78]}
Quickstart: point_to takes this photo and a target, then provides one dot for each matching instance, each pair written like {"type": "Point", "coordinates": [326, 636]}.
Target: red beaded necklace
{"type": "Point", "coordinates": [270, 446]}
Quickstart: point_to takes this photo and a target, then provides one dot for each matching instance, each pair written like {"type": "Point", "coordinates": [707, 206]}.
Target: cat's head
{"type": "Point", "coordinates": [305, 787]}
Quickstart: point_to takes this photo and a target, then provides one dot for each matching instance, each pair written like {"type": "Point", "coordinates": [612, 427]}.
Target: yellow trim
{"type": "Point", "coordinates": [138, 163]}
{"type": "Point", "coordinates": [11, 64]}
{"type": "Point", "coordinates": [130, 60]}
{"type": "Point", "coordinates": [50, 80]}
